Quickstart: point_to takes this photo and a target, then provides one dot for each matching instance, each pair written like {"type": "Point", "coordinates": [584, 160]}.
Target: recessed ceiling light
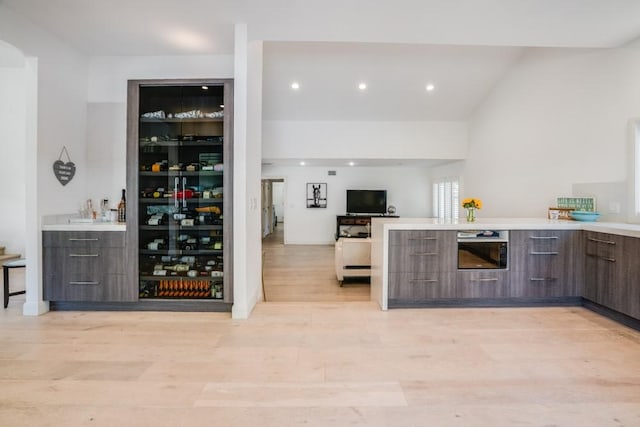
{"type": "Point", "coordinates": [295, 85]}
{"type": "Point", "coordinates": [362, 86]}
{"type": "Point", "coordinates": [302, 163]}
{"type": "Point", "coordinates": [352, 164]}
{"type": "Point", "coordinates": [205, 87]}
{"type": "Point", "coordinates": [430, 87]}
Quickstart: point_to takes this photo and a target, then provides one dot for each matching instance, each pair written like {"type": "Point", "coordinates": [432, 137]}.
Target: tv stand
{"type": "Point", "coordinates": [352, 258]}
{"type": "Point", "coordinates": [356, 225]}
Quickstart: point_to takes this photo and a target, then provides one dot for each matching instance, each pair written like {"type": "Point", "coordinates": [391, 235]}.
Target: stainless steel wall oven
{"type": "Point", "coordinates": [483, 250]}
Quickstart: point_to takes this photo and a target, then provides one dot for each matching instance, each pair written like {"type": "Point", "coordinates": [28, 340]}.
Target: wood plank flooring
{"type": "Point", "coordinates": [305, 273]}
{"type": "Point", "coordinates": [319, 364]}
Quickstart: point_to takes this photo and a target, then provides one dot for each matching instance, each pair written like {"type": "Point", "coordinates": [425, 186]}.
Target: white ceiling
{"type": "Point", "coordinates": [462, 46]}
{"type": "Point", "coordinates": [396, 77]}
{"type": "Point", "coordinates": [164, 27]}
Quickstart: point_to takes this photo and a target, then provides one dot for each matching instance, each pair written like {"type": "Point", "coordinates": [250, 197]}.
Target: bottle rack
{"type": "Point", "coordinates": [182, 190]}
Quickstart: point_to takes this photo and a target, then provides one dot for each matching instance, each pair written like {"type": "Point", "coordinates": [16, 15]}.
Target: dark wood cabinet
{"type": "Point", "coordinates": [546, 263]}
{"type": "Point", "coordinates": [630, 277]}
{"type": "Point", "coordinates": [482, 284]}
{"type": "Point", "coordinates": [421, 264]}
{"type": "Point", "coordinates": [85, 266]}
{"type": "Point", "coordinates": [603, 256]}
{"type": "Point", "coordinates": [612, 272]}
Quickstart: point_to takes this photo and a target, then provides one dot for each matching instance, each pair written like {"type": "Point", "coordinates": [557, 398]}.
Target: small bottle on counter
{"type": "Point", "coordinates": [122, 208]}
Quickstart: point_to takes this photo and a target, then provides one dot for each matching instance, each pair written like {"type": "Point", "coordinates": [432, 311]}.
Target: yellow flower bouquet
{"type": "Point", "coordinates": [471, 204]}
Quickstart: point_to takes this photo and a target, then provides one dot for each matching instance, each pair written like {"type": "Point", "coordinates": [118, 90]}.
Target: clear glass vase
{"type": "Point", "coordinates": [471, 214]}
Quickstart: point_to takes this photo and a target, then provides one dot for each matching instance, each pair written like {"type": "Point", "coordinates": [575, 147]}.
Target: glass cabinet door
{"type": "Point", "coordinates": [181, 192]}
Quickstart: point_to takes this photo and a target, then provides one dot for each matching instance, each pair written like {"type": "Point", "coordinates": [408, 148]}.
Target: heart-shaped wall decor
{"type": "Point", "coordinates": [64, 171]}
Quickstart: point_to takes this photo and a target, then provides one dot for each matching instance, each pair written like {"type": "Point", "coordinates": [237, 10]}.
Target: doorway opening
{"type": "Point", "coordinates": [298, 272]}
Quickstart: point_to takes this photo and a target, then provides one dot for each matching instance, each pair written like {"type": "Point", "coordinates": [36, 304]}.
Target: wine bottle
{"type": "Point", "coordinates": [122, 208]}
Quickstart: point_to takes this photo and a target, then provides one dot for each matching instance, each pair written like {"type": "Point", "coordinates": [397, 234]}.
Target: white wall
{"type": "Point", "coordinates": [408, 189]}
{"type": "Point", "coordinates": [107, 109]}
{"type": "Point", "coordinates": [364, 140]}
{"type": "Point", "coordinates": [278, 200]}
{"type": "Point", "coordinates": [56, 95]}
{"type": "Point", "coordinates": [13, 173]}
{"type": "Point", "coordinates": [62, 96]}
{"type": "Point", "coordinates": [559, 117]}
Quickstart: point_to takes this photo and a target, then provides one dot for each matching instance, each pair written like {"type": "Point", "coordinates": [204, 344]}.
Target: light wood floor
{"type": "Point", "coordinates": [305, 273]}
{"type": "Point", "coordinates": [319, 364]}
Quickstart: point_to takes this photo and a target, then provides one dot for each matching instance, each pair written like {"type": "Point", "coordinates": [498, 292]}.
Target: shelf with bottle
{"type": "Point", "coordinates": [180, 288]}
{"type": "Point", "coordinates": [200, 201]}
{"type": "Point", "coordinates": [180, 227]}
{"type": "Point", "coordinates": [178, 120]}
{"type": "Point", "coordinates": [186, 220]}
{"type": "Point", "coordinates": [180, 173]}
{"type": "Point", "coordinates": [181, 140]}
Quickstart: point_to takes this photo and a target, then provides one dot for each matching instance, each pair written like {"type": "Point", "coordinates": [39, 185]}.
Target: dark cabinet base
{"type": "Point", "coordinates": [486, 302]}
{"type": "Point", "coordinates": [146, 305]}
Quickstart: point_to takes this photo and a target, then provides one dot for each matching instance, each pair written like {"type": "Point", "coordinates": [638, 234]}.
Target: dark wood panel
{"type": "Point", "coordinates": [422, 250]}
{"type": "Point", "coordinates": [482, 284]}
{"type": "Point", "coordinates": [83, 239]}
{"type": "Point", "coordinates": [538, 285]}
{"type": "Point", "coordinates": [63, 289]}
{"type": "Point", "coordinates": [419, 286]}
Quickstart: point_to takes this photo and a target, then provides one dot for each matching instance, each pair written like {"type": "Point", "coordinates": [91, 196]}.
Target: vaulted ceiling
{"type": "Point", "coordinates": [462, 47]}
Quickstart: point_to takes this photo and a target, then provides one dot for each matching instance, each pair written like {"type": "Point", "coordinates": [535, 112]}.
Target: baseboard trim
{"type": "Point", "coordinates": [149, 305]}
{"type": "Point", "coordinates": [486, 302]}
{"type": "Point", "coordinates": [614, 315]}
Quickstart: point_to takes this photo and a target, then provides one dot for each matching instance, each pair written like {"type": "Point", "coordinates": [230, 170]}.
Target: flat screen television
{"type": "Point", "coordinates": [367, 202]}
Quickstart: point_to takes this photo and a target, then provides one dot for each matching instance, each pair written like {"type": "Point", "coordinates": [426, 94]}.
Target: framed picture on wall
{"type": "Point", "coordinates": [316, 195]}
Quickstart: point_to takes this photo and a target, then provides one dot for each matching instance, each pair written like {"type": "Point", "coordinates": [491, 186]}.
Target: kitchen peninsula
{"type": "Point", "coordinates": [417, 262]}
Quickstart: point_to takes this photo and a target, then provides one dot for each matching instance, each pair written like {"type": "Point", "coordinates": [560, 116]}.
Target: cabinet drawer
{"type": "Point", "coordinates": [67, 261]}
{"type": "Point", "coordinates": [532, 238]}
{"type": "Point", "coordinates": [83, 239]}
{"type": "Point", "coordinates": [605, 246]}
{"type": "Point", "coordinates": [540, 285]}
{"type": "Point", "coordinates": [420, 238]}
{"type": "Point", "coordinates": [481, 284]}
{"type": "Point", "coordinates": [406, 260]}
{"type": "Point", "coordinates": [103, 287]}
{"type": "Point", "coordinates": [421, 286]}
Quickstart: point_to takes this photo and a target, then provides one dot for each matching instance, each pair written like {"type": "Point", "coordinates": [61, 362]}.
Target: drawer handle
{"type": "Point", "coordinates": [423, 238]}
{"type": "Point", "coordinates": [543, 279]}
{"type": "Point", "coordinates": [84, 283]}
{"type": "Point", "coordinates": [75, 239]}
{"type": "Point", "coordinates": [543, 237]}
{"type": "Point", "coordinates": [494, 279]}
{"type": "Point", "coordinates": [424, 254]}
{"type": "Point", "coordinates": [602, 257]}
{"type": "Point", "coordinates": [423, 280]}
{"type": "Point", "coordinates": [84, 255]}
{"type": "Point", "coordinates": [543, 253]}
{"type": "Point", "coordinates": [608, 242]}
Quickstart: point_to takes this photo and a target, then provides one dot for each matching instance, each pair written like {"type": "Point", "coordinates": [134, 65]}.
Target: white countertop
{"type": "Point", "coordinates": [73, 223]}
{"type": "Point", "coordinates": [381, 226]}
{"type": "Point", "coordinates": [624, 229]}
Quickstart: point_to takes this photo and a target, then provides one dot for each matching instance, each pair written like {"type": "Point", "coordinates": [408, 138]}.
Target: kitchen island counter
{"type": "Point", "coordinates": [380, 228]}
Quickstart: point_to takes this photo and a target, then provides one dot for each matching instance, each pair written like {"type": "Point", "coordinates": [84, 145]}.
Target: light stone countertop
{"type": "Point", "coordinates": [70, 223]}
{"type": "Point", "coordinates": [624, 229]}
